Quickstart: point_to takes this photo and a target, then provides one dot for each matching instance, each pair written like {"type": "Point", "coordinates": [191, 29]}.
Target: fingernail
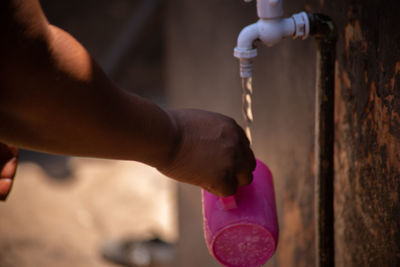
{"type": "Point", "coordinates": [9, 169]}
{"type": "Point", "coordinates": [5, 187]}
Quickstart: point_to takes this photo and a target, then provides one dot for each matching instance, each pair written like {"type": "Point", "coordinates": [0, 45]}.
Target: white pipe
{"type": "Point", "coordinates": [269, 9]}
{"type": "Point", "coordinates": [273, 31]}
{"type": "Point", "coordinates": [247, 36]}
{"type": "Point", "coordinates": [270, 32]}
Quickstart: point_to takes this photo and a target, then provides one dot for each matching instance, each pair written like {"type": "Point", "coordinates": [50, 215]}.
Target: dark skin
{"type": "Point", "coordinates": [54, 98]}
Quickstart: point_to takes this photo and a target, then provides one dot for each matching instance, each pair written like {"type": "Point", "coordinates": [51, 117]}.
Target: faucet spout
{"type": "Point", "coordinates": [247, 36]}
{"type": "Point", "coordinates": [245, 49]}
{"type": "Point", "coordinates": [270, 31]}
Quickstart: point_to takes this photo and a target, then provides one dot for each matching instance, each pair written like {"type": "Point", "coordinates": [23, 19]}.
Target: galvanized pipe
{"type": "Point", "coordinates": [324, 31]}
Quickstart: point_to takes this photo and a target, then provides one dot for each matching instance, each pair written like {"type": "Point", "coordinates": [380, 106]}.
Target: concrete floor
{"type": "Point", "coordinates": [48, 222]}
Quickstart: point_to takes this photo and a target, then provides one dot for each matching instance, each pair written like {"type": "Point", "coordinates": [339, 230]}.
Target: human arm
{"type": "Point", "coordinates": [55, 98]}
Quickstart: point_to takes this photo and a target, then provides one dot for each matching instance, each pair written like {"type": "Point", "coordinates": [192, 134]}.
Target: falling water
{"type": "Point", "coordinates": [247, 92]}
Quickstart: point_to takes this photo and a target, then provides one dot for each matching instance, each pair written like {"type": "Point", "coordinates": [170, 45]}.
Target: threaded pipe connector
{"type": "Point", "coordinates": [246, 60]}
{"type": "Point", "coordinates": [246, 67]}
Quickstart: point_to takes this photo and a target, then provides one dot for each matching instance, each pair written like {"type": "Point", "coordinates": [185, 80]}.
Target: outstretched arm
{"type": "Point", "coordinates": [55, 98]}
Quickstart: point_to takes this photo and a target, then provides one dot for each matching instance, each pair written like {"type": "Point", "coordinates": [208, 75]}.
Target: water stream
{"type": "Point", "coordinates": [247, 92]}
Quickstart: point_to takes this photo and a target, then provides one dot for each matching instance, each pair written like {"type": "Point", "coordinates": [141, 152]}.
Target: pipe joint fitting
{"type": "Point", "coordinates": [246, 67]}
{"type": "Point", "coordinates": [245, 53]}
{"type": "Point", "coordinates": [302, 25]}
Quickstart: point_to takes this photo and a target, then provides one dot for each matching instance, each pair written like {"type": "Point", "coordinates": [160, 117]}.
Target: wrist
{"type": "Point", "coordinates": [176, 140]}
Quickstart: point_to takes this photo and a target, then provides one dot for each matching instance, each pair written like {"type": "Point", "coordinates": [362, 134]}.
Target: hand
{"type": "Point", "coordinates": [8, 167]}
{"type": "Point", "coordinates": [213, 152]}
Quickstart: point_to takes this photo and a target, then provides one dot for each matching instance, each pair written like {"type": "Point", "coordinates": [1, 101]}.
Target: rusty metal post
{"type": "Point", "coordinates": [324, 31]}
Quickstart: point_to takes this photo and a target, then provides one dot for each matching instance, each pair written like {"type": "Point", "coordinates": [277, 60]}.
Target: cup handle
{"type": "Point", "coordinates": [229, 202]}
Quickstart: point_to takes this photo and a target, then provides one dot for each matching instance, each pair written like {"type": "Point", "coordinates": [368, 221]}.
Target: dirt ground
{"type": "Point", "coordinates": [46, 222]}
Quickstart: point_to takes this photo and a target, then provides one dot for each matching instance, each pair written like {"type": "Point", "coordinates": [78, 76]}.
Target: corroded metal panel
{"type": "Point", "coordinates": [367, 119]}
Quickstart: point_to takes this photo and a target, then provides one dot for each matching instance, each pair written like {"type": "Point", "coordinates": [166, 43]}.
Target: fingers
{"type": "Point", "coordinates": [6, 177]}
{"type": "Point", "coordinates": [230, 183]}
{"type": "Point", "coordinates": [244, 178]}
{"type": "Point", "coordinates": [5, 187]}
{"type": "Point", "coordinates": [244, 173]}
{"type": "Point", "coordinates": [227, 185]}
{"type": "Point", "coordinates": [246, 163]}
{"type": "Point", "coordinates": [8, 167]}
{"type": "Point", "coordinates": [243, 166]}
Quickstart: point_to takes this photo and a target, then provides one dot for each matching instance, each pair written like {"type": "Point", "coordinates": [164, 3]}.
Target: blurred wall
{"type": "Point", "coordinates": [102, 25]}
{"type": "Point", "coordinates": [202, 73]}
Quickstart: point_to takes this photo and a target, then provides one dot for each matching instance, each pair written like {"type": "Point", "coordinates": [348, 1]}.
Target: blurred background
{"type": "Point", "coordinates": [178, 53]}
{"type": "Point", "coordinates": [64, 210]}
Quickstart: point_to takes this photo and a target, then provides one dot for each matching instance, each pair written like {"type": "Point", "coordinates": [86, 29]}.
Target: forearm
{"type": "Point", "coordinates": [54, 98]}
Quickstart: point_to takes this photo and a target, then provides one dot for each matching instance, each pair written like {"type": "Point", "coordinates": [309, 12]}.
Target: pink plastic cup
{"type": "Point", "coordinates": [242, 231]}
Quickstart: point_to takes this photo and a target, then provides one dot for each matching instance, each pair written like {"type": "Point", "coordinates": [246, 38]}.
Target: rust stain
{"type": "Point", "coordinates": [372, 93]}
{"type": "Point", "coordinates": [339, 104]}
{"type": "Point", "coordinates": [393, 143]}
{"type": "Point", "coordinates": [381, 68]}
{"type": "Point", "coordinates": [395, 115]}
{"type": "Point", "coordinates": [367, 144]}
{"type": "Point", "coordinates": [343, 164]}
{"type": "Point", "coordinates": [378, 113]}
{"type": "Point", "coordinates": [379, 120]}
{"type": "Point", "coordinates": [353, 34]}
{"type": "Point", "coordinates": [396, 71]}
{"type": "Point", "coordinates": [342, 161]}
{"type": "Point", "coordinates": [397, 67]}
{"type": "Point", "coordinates": [340, 127]}
{"type": "Point", "coordinates": [389, 98]}
{"type": "Point", "coordinates": [346, 79]}
{"type": "Point", "coordinates": [366, 156]}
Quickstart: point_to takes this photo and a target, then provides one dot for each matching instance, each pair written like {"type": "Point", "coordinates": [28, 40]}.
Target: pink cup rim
{"type": "Point", "coordinates": [219, 232]}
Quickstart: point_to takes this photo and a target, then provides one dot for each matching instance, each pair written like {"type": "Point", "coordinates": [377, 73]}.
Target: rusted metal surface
{"type": "Point", "coordinates": [324, 31]}
{"type": "Point", "coordinates": [367, 121]}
